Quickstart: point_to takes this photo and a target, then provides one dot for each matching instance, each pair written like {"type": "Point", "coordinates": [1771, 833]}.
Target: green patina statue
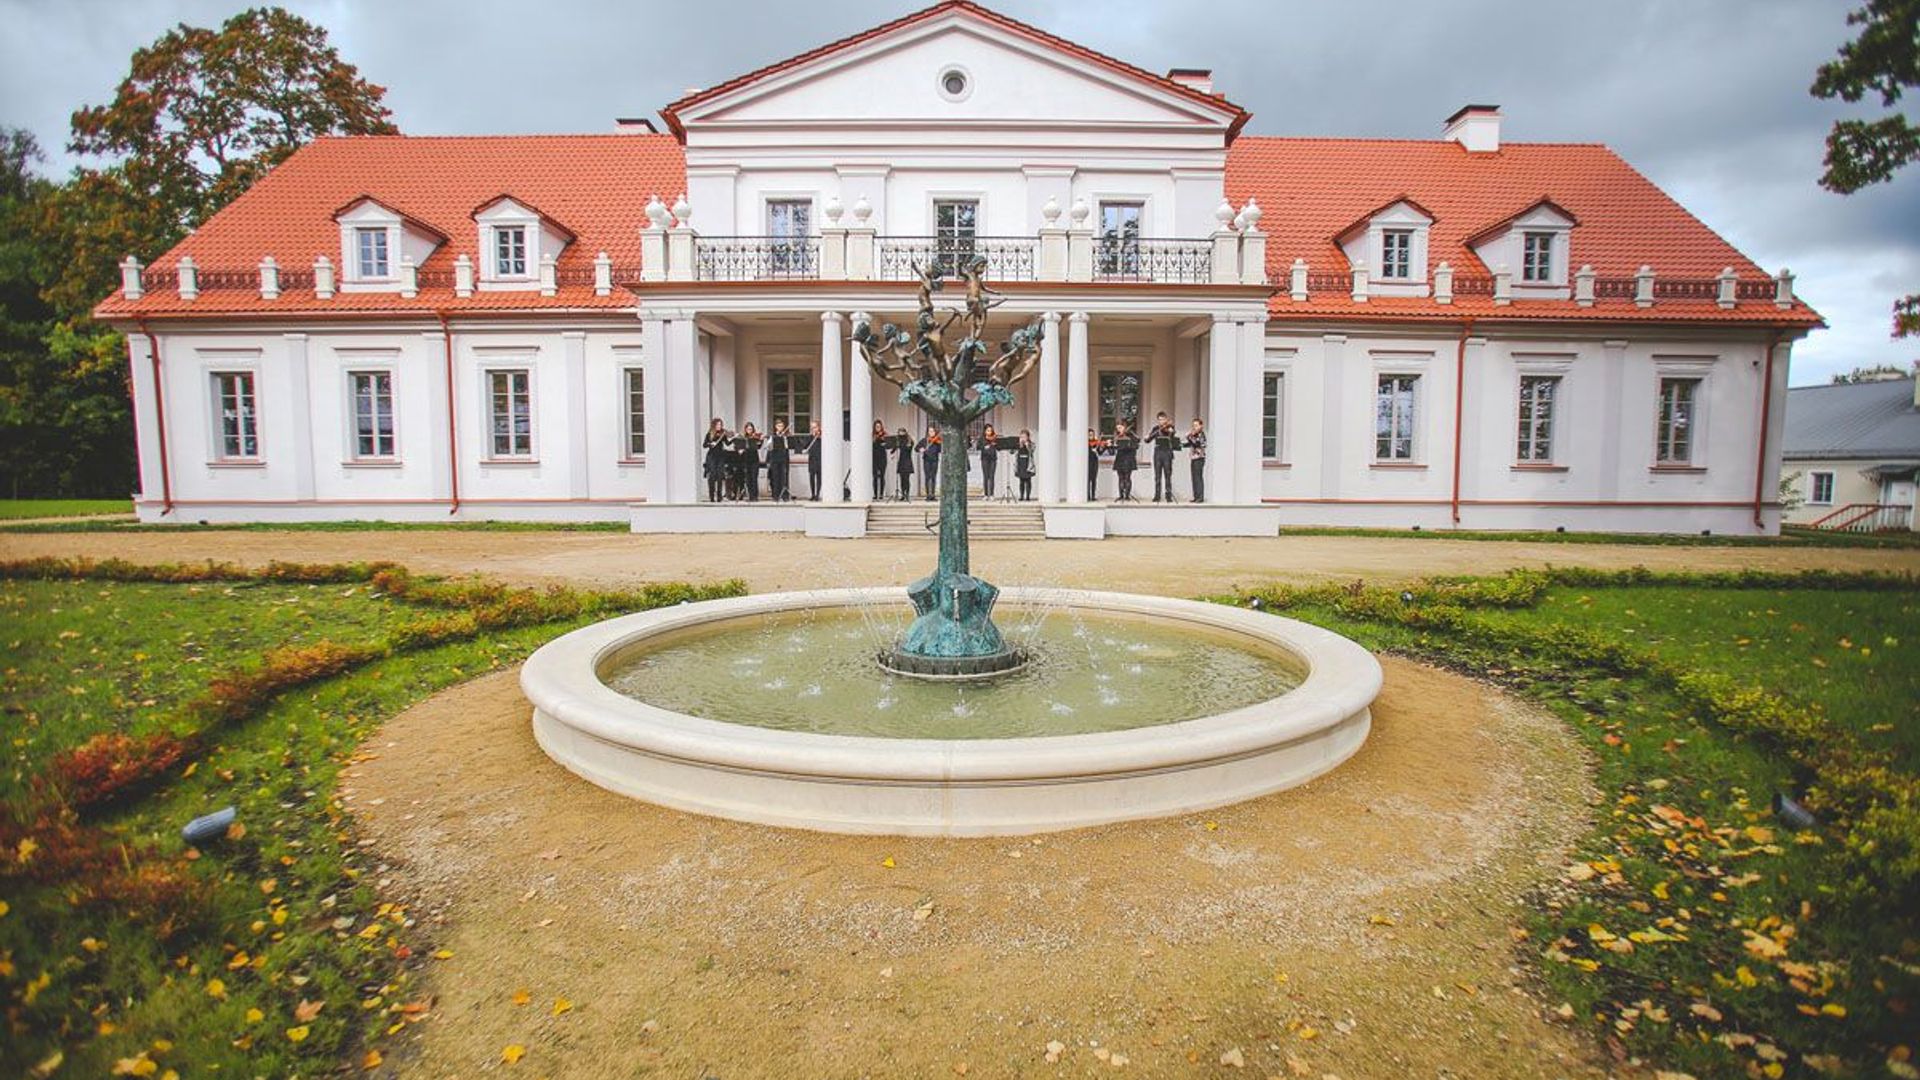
{"type": "Point", "coordinates": [953, 632]}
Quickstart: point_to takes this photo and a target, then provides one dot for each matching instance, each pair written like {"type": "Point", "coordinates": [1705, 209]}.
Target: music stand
{"type": "Point", "coordinates": [1001, 445]}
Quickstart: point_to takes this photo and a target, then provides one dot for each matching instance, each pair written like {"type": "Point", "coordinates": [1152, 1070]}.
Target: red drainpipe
{"type": "Point", "coordinates": [160, 419]}
{"type": "Point", "coordinates": [1766, 409]}
{"type": "Point", "coordinates": [1459, 399]}
{"type": "Point", "coordinates": [453, 435]}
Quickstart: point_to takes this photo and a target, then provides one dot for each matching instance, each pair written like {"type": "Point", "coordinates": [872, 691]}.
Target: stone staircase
{"type": "Point", "coordinates": [985, 520]}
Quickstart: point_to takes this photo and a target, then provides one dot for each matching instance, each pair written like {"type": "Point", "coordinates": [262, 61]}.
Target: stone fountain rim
{"type": "Point", "coordinates": [563, 680]}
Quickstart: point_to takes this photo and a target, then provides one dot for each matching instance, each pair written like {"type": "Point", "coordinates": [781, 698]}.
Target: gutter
{"type": "Point", "coordinates": [1766, 411]}
{"type": "Point", "coordinates": [453, 434]}
{"type": "Point", "coordinates": [160, 418]}
{"type": "Point", "coordinates": [1459, 406]}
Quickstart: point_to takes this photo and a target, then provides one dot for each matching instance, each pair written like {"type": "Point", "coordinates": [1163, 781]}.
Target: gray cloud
{"type": "Point", "coordinates": [1707, 97]}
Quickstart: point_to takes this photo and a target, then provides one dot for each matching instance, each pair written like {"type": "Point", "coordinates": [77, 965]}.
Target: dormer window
{"type": "Point", "coordinates": [1391, 242]}
{"type": "Point", "coordinates": [1396, 254]}
{"type": "Point", "coordinates": [375, 239]}
{"type": "Point", "coordinates": [514, 240]}
{"type": "Point", "coordinates": [371, 245]}
{"type": "Point", "coordinates": [510, 251]}
{"type": "Point", "coordinates": [1536, 258]}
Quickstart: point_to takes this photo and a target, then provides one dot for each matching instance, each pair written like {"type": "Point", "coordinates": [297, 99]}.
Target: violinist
{"type": "Point", "coordinates": [903, 462]}
{"type": "Point", "coordinates": [1126, 458]}
{"type": "Point", "coordinates": [780, 462]}
{"type": "Point", "coordinates": [1023, 464]}
{"type": "Point", "coordinates": [879, 460]}
{"type": "Point", "coordinates": [930, 462]}
{"type": "Point", "coordinates": [1197, 458]}
{"type": "Point", "coordinates": [713, 460]}
{"type": "Point", "coordinates": [1165, 440]}
{"type": "Point", "coordinates": [810, 446]}
{"type": "Point", "coordinates": [1095, 444]}
{"type": "Point", "coordinates": [989, 459]}
{"type": "Point", "coordinates": [746, 458]}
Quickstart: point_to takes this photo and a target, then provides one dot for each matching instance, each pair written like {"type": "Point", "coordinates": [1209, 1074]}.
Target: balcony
{"type": "Point", "coordinates": [1009, 258]}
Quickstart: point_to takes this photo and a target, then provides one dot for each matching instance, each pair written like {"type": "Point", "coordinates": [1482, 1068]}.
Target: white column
{"type": "Point", "coordinates": [1049, 430]}
{"type": "Point", "coordinates": [1077, 399]}
{"type": "Point", "coordinates": [1253, 365]}
{"type": "Point", "coordinates": [653, 367]}
{"type": "Point", "coordinates": [299, 390]}
{"type": "Point", "coordinates": [573, 346]}
{"type": "Point", "coordinates": [833, 457]}
{"type": "Point", "coordinates": [146, 416]}
{"type": "Point", "coordinates": [1223, 445]}
{"type": "Point", "coordinates": [860, 447]}
{"type": "Point", "coordinates": [680, 409]}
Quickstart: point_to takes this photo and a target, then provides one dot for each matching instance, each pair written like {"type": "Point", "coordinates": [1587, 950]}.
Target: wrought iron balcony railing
{"type": "Point", "coordinates": [755, 258]}
{"type": "Point", "coordinates": [1129, 258]}
{"type": "Point", "coordinates": [1009, 258]}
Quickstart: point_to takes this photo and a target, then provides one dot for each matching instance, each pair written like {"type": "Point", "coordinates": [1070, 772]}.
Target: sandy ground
{"type": "Point", "coordinates": [1361, 926]}
{"type": "Point", "coordinates": [1179, 567]}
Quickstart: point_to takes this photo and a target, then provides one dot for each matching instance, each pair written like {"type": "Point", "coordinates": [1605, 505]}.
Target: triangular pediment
{"type": "Point", "coordinates": [1011, 75]}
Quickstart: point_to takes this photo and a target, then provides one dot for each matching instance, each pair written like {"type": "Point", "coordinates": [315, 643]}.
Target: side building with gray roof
{"type": "Point", "coordinates": [1851, 447]}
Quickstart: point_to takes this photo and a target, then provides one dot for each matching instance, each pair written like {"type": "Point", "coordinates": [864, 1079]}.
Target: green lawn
{"type": "Point", "coordinates": [1695, 928]}
{"type": "Point", "coordinates": [15, 509]}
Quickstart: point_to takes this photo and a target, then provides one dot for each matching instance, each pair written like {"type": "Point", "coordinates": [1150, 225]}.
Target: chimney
{"type": "Point", "coordinates": [1200, 79]}
{"type": "Point", "coordinates": [1476, 127]}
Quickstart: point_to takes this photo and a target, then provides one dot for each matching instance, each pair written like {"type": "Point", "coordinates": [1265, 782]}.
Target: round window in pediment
{"type": "Point", "coordinates": [955, 84]}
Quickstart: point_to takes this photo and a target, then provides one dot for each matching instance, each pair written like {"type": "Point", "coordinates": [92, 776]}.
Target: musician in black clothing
{"type": "Point", "coordinates": [713, 460]}
{"type": "Point", "coordinates": [810, 446]}
{"type": "Point", "coordinates": [1126, 458]}
{"type": "Point", "coordinates": [780, 463]}
{"type": "Point", "coordinates": [1023, 464]}
{"type": "Point", "coordinates": [879, 460]}
{"type": "Point", "coordinates": [1165, 440]}
{"type": "Point", "coordinates": [1095, 444]}
{"type": "Point", "coordinates": [903, 462]}
{"type": "Point", "coordinates": [746, 454]}
{"type": "Point", "coordinates": [930, 462]}
{"type": "Point", "coordinates": [989, 459]}
{"type": "Point", "coordinates": [1196, 444]}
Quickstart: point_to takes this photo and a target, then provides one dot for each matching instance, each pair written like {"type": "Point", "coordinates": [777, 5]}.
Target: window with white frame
{"type": "Point", "coordinates": [510, 412]}
{"type": "Point", "coordinates": [1120, 400]}
{"type": "Point", "coordinates": [1119, 238]}
{"type": "Point", "coordinates": [790, 398]}
{"type": "Point", "coordinates": [1273, 400]}
{"type": "Point", "coordinates": [1536, 257]}
{"type": "Point", "coordinates": [370, 253]}
{"type": "Point", "coordinates": [1539, 395]}
{"type": "Point", "coordinates": [236, 414]}
{"type": "Point", "coordinates": [1674, 425]}
{"type": "Point", "coordinates": [1819, 489]}
{"type": "Point", "coordinates": [1396, 254]}
{"type": "Point", "coordinates": [510, 251]}
{"type": "Point", "coordinates": [1395, 399]}
{"type": "Point", "coordinates": [955, 223]}
{"type": "Point", "coordinates": [372, 394]}
{"type": "Point", "coordinates": [636, 412]}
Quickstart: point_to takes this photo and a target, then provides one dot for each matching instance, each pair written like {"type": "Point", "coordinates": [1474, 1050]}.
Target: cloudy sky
{"type": "Point", "coordinates": [1707, 97]}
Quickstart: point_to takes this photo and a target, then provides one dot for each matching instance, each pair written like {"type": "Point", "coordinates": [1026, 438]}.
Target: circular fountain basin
{"type": "Point", "coordinates": [948, 786]}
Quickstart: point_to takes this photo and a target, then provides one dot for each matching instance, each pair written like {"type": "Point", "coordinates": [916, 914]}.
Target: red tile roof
{"type": "Point", "coordinates": [672, 112]}
{"type": "Point", "coordinates": [1311, 190]}
{"type": "Point", "coordinates": [597, 187]}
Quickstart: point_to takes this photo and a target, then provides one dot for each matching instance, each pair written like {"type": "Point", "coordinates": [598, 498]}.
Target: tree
{"type": "Point", "coordinates": [1884, 60]}
{"type": "Point", "coordinates": [201, 115]}
{"type": "Point", "coordinates": [1874, 373]}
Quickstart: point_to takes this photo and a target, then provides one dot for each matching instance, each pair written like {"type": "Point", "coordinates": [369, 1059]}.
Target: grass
{"type": "Point", "coordinates": [1695, 929]}
{"type": "Point", "coordinates": [14, 509]}
{"type": "Point", "coordinates": [80, 525]}
{"type": "Point", "coordinates": [270, 952]}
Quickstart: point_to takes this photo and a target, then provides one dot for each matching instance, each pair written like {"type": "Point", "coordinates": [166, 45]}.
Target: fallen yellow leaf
{"type": "Point", "coordinates": [298, 1034]}
{"type": "Point", "coordinates": [561, 1005]}
{"type": "Point", "coordinates": [371, 1061]}
{"type": "Point", "coordinates": [521, 996]}
{"type": "Point", "coordinates": [513, 1053]}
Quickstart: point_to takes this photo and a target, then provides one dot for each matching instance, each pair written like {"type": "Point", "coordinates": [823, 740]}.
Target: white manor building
{"type": "Point", "coordinates": [1455, 333]}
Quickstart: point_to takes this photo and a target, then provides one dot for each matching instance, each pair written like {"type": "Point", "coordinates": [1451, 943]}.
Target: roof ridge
{"type": "Point", "coordinates": [404, 136]}
{"type": "Point", "coordinates": [1403, 139]}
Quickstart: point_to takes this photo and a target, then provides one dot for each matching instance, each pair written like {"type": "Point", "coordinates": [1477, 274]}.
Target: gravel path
{"type": "Point", "coordinates": [1177, 567]}
{"type": "Point", "coordinates": [1361, 926]}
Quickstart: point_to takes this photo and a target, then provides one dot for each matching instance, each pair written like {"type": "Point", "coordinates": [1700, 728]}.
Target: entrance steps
{"type": "Point", "coordinates": [985, 520]}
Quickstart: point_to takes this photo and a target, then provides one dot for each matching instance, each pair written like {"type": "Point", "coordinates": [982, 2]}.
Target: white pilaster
{"type": "Point", "coordinates": [442, 391]}
{"type": "Point", "coordinates": [860, 423]}
{"type": "Point", "coordinates": [1333, 438]}
{"type": "Point", "coordinates": [573, 349]}
{"type": "Point", "coordinates": [146, 415]}
{"type": "Point", "coordinates": [1048, 425]}
{"type": "Point", "coordinates": [1253, 365]}
{"type": "Point", "coordinates": [299, 394]}
{"type": "Point", "coordinates": [653, 366]}
{"type": "Point", "coordinates": [1078, 400]}
{"type": "Point", "coordinates": [833, 448]}
{"type": "Point", "coordinates": [1613, 392]}
{"type": "Point", "coordinates": [681, 409]}
{"type": "Point", "coordinates": [1223, 442]}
